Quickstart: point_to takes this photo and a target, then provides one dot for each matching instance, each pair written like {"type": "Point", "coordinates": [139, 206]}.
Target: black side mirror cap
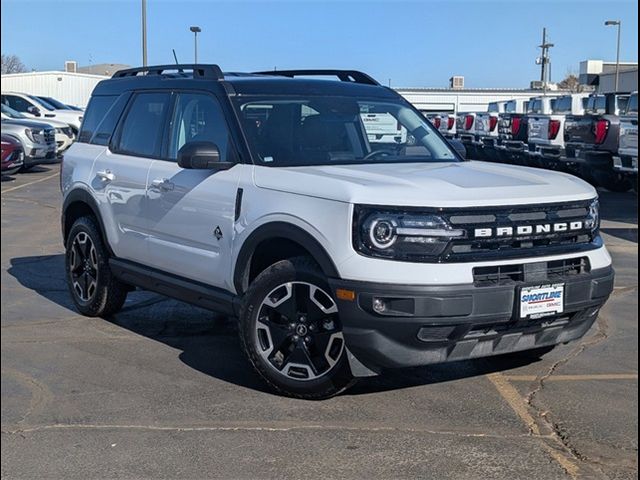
{"type": "Point", "coordinates": [202, 156]}
{"type": "Point", "coordinates": [459, 147]}
{"type": "Point", "coordinates": [33, 110]}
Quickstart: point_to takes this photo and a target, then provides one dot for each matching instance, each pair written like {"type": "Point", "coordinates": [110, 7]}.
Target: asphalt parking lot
{"type": "Point", "coordinates": [161, 390]}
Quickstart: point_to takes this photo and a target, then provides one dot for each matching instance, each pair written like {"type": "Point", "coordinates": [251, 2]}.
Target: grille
{"type": "Point", "coordinates": [555, 270]}
{"type": "Point", "coordinates": [49, 136]}
{"type": "Point", "coordinates": [473, 248]}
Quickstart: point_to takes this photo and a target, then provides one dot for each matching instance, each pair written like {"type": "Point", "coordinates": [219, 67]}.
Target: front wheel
{"type": "Point", "coordinates": [94, 289]}
{"type": "Point", "coordinates": [291, 331]}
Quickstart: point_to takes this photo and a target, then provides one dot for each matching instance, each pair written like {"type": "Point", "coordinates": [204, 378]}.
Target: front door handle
{"type": "Point", "coordinates": [105, 175]}
{"type": "Point", "coordinates": [162, 184]}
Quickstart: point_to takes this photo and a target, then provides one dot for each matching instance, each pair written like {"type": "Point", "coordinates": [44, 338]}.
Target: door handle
{"type": "Point", "coordinates": [162, 184]}
{"type": "Point", "coordinates": [105, 175]}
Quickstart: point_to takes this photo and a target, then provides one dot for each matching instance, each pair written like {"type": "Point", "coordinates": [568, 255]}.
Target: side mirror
{"type": "Point", "coordinates": [459, 147]}
{"type": "Point", "coordinates": [33, 110]}
{"type": "Point", "coordinates": [201, 156]}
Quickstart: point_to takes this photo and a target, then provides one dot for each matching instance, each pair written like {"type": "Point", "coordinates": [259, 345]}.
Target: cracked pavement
{"type": "Point", "coordinates": [161, 390]}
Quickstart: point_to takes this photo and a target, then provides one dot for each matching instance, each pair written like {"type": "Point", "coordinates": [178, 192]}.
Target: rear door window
{"type": "Point", "coordinates": [142, 129]}
{"type": "Point", "coordinates": [96, 111]}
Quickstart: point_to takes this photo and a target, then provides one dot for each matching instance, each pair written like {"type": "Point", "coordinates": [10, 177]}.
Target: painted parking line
{"type": "Point", "coordinates": [574, 378]}
{"type": "Point", "coordinates": [30, 183]}
{"type": "Point", "coordinates": [520, 407]}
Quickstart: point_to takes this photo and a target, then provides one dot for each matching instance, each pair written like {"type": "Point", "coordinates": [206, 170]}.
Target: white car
{"type": "Point", "coordinates": [546, 130]}
{"type": "Point", "coordinates": [338, 257]}
{"type": "Point", "coordinates": [448, 125]}
{"type": "Point", "coordinates": [64, 133]}
{"type": "Point", "coordinates": [32, 106]}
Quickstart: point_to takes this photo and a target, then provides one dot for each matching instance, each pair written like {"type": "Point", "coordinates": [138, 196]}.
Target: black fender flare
{"type": "Point", "coordinates": [80, 195]}
{"type": "Point", "coordinates": [280, 230]}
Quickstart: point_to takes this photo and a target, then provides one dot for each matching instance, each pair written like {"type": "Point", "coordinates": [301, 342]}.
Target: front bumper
{"type": "Point", "coordinates": [433, 324]}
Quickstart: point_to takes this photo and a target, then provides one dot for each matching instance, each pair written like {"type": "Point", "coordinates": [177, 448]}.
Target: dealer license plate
{"type": "Point", "coordinates": [541, 300]}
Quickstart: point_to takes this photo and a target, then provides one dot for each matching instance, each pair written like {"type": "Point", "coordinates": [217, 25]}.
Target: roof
{"type": "Point", "coordinates": [245, 84]}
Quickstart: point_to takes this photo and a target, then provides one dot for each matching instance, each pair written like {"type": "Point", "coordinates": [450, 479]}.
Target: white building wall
{"type": "Point", "coordinates": [71, 88]}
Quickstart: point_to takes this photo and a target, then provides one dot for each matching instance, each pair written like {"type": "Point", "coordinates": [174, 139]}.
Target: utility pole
{"type": "Point", "coordinates": [545, 60]}
{"type": "Point", "coordinates": [616, 23]}
{"type": "Point", "coordinates": [196, 30]}
{"type": "Point", "coordinates": [144, 33]}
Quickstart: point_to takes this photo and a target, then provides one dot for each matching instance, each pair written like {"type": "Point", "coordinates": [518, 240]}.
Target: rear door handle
{"type": "Point", "coordinates": [162, 184]}
{"type": "Point", "coordinates": [105, 175]}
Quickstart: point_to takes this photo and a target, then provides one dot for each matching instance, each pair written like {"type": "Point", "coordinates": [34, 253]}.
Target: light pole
{"type": "Point", "coordinates": [195, 31]}
{"type": "Point", "coordinates": [616, 23]}
{"type": "Point", "coordinates": [144, 33]}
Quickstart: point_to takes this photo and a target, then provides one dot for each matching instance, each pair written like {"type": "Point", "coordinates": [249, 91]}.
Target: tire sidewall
{"type": "Point", "coordinates": [95, 303]}
{"type": "Point", "coordinates": [334, 381]}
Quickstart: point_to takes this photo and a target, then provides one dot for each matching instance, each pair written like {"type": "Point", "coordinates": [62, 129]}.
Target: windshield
{"type": "Point", "coordinates": [45, 105]}
{"type": "Point", "coordinates": [10, 112]}
{"type": "Point", "coordinates": [511, 107]}
{"type": "Point", "coordinates": [596, 104]}
{"type": "Point", "coordinates": [54, 103]}
{"type": "Point", "coordinates": [632, 106]}
{"type": "Point", "coordinates": [563, 105]}
{"type": "Point", "coordinates": [295, 131]}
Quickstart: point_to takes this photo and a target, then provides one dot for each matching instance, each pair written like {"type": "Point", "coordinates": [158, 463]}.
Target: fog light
{"type": "Point", "coordinates": [378, 305]}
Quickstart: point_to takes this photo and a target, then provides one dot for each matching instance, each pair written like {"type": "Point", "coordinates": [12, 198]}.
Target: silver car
{"type": "Point", "coordinates": [38, 140]}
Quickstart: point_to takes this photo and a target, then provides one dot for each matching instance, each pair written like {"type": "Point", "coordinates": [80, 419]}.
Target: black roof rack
{"type": "Point", "coordinates": [205, 71]}
{"type": "Point", "coordinates": [353, 76]}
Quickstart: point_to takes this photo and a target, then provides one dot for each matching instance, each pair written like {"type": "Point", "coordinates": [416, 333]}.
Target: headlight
{"type": "Point", "coordinates": [593, 217]}
{"type": "Point", "coordinates": [35, 135]}
{"type": "Point", "coordinates": [401, 235]}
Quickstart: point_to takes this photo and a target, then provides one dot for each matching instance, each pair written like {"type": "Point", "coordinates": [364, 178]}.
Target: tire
{"type": "Point", "coordinates": [613, 181]}
{"type": "Point", "coordinates": [94, 289]}
{"type": "Point", "coordinates": [290, 302]}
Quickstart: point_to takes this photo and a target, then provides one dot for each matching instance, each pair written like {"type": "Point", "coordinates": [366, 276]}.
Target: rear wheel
{"type": "Point", "coordinates": [291, 331]}
{"type": "Point", "coordinates": [94, 289]}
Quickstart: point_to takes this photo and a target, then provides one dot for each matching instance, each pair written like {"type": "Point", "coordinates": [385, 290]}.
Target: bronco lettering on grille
{"type": "Point", "coordinates": [527, 230]}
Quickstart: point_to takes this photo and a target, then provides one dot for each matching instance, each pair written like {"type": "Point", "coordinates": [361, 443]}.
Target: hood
{"type": "Point", "coordinates": [460, 184]}
{"type": "Point", "coordinates": [23, 122]}
{"type": "Point", "coordinates": [65, 116]}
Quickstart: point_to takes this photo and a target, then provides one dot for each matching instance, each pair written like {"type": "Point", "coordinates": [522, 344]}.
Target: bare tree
{"type": "Point", "coordinates": [12, 64]}
{"type": "Point", "coordinates": [571, 82]}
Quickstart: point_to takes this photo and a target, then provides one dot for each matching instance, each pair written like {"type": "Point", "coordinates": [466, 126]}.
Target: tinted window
{"type": "Point", "coordinates": [142, 129]}
{"type": "Point", "coordinates": [632, 106]}
{"type": "Point", "coordinates": [493, 107]}
{"type": "Point", "coordinates": [17, 103]}
{"type": "Point", "coordinates": [96, 111]}
{"type": "Point", "coordinates": [562, 105]}
{"type": "Point", "coordinates": [337, 130]}
{"type": "Point", "coordinates": [511, 107]}
{"type": "Point", "coordinates": [198, 117]}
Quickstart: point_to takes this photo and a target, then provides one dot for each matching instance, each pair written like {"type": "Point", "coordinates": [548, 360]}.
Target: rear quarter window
{"type": "Point", "coordinates": [95, 113]}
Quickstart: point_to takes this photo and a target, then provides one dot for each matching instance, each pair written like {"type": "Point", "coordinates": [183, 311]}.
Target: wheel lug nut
{"type": "Point", "coordinates": [307, 339]}
{"type": "Point", "coordinates": [295, 338]}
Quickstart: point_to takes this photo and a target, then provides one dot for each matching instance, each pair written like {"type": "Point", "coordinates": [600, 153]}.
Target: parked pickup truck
{"type": "Point", "coordinates": [546, 131]}
{"type": "Point", "coordinates": [512, 131]}
{"type": "Point", "coordinates": [626, 161]}
{"type": "Point", "coordinates": [592, 140]}
{"type": "Point", "coordinates": [487, 128]}
{"type": "Point", "coordinates": [466, 129]}
{"type": "Point", "coordinates": [448, 125]}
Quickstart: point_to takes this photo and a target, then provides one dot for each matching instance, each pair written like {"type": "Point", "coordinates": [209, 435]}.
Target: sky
{"type": "Point", "coordinates": [406, 44]}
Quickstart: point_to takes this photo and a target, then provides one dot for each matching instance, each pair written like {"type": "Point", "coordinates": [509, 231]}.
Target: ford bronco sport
{"type": "Point", "coordinates": [261, 196]}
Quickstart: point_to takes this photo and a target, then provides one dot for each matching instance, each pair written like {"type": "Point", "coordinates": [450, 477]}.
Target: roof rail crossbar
{"type": "Point", "coordinates": [352, 76]}
{"type": "Point", "coordinates": [205, 71]}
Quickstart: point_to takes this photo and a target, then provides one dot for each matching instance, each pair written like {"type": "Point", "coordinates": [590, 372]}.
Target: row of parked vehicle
{"type": "Point", "coordinates": [35, 130]}
{"type": "Point", "coordinates": [594, 136]}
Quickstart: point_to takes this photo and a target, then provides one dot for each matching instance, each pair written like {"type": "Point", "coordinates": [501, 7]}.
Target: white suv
{"type": "Point", "coordinates": [32, 106]}
{"type": "Point", "coordinates": [262, 196]}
